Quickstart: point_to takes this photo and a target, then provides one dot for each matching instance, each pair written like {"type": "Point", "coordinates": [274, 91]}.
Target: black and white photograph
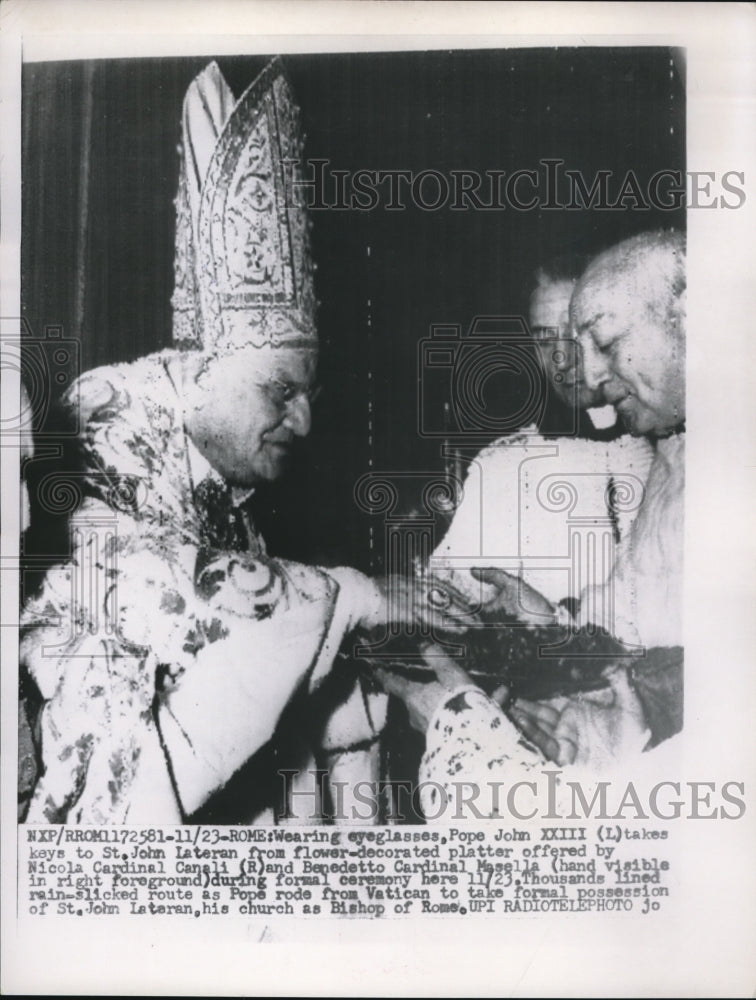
{"type": "Point", "coordinates": [354, 569]}
{"type": "Point", "coordinates": [286, 404]}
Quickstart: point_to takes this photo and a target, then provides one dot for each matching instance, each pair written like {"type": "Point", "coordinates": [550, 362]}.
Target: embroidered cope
{"type": "Point", "coordinates": [168, 646]}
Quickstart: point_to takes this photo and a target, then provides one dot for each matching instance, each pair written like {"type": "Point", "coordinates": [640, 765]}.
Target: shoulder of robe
{"type": "Point", "coordinates": [111, 391]}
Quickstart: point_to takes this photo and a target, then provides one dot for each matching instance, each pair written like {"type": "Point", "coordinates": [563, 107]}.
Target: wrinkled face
{"type": "Point", "coordinates": [245, 409]}
{"type": "Point", "coordinates": [550, 325]}
{"type": "Point", "coordinates": [632, 350]}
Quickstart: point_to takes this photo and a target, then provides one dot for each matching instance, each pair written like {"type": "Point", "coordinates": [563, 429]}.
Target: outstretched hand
{"type": "Point", "coordinates": [591, 729]}
{"type": "Point", "coordinates": [514, 599]}
{"type": "Point", "coordinates": [422, 697]}
{"type": "Point", "coordinates": [409, 602]}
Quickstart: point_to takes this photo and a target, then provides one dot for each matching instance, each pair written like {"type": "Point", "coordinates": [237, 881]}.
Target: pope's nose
{"type": "Point", "coordinates": [299, 416]}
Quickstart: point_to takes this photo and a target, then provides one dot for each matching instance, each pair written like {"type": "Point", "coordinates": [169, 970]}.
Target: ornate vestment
{"type": "Point", "coordinates": [169, 645]}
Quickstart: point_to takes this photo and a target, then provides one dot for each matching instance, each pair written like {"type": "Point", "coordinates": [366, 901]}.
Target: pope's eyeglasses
{"type": "Point", "coordinates": [286, 393]}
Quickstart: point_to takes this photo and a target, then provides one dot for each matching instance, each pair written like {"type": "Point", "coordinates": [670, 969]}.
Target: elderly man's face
{"type": "Point", "coordinates": [247, 407]}
{"type": "Point", "coordinates": [631, 351]}
{"type": "Point", "coordinates": [550, 325]}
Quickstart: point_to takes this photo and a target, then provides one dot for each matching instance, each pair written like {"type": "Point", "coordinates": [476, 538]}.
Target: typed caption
{"type": "Point", "coordinates": [349, 872]}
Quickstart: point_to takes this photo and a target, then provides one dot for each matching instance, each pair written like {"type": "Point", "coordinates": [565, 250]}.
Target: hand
{"type": "Point", "coordinates": [422, 698]}
{"type": "Point", "coordinates": [408, 601]}
{"type": "Point", "coordinates": [591, 729]}
{"type": "Point", "coordinates": [514, 599]}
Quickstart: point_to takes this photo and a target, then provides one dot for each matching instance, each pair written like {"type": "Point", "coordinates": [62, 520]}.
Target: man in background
{"type": "Point", "coordinates": [628, 312]}
{"type": "Point", "coordinates": [582, 410]}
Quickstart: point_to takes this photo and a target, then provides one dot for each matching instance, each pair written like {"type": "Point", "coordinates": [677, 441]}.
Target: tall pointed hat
{"type": "Point", "coordinates": [243, 268]}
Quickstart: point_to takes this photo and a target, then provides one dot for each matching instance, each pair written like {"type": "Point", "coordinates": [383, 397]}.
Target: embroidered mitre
{"type": "Point", "coordinates": [243, 268]}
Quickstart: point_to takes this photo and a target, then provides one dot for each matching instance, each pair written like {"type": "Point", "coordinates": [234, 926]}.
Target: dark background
{"type": "Point", "coordinates": [100, 167]}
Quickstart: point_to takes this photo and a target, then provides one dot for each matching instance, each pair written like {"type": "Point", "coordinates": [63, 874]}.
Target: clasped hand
{"type": "Point", "coordinates": [591, 728]}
